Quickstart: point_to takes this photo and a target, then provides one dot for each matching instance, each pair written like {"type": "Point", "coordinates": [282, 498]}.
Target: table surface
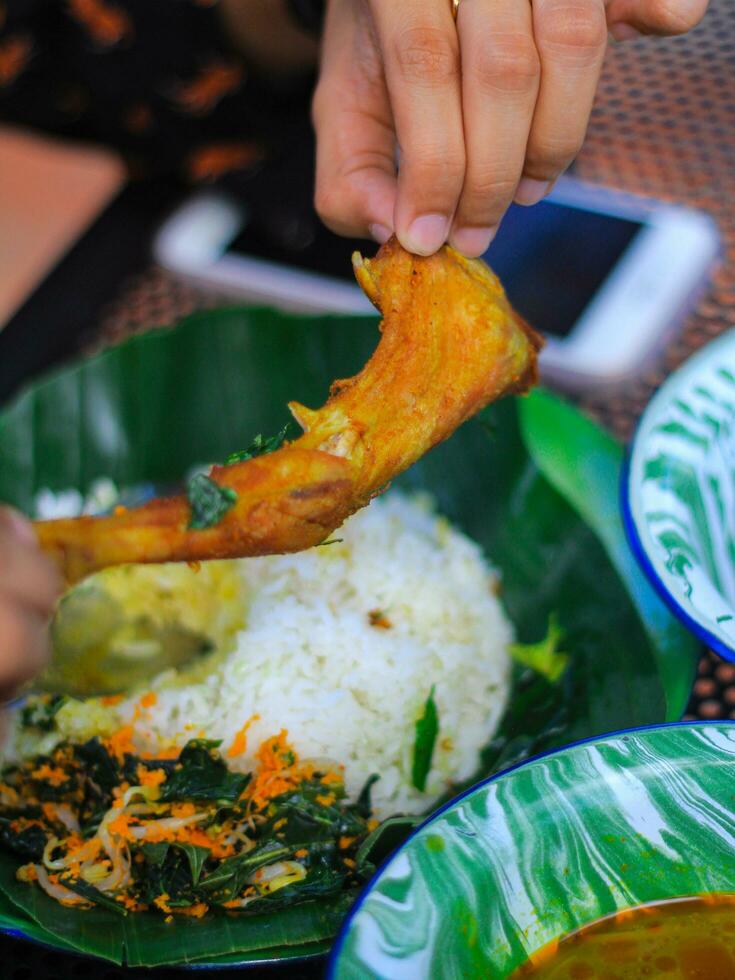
{"type": "Point", "coordinates": [663, 125]}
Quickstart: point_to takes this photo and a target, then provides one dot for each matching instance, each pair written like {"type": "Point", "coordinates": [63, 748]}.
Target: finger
{"type": "Point", "coordinates": [24, 647]}
{"type": "Point", "coordinates": [26, 575]}
{"type": "Point", "coordinates": [571, 37]}
{"type": "Point", "coordinates": [631, 18]}
{"type": "Point", "coordinates": [500, 80]}
{"type": "Point", "coordinates": [420, 51]}
{"type": "Point", "coordinates": [355, 169]}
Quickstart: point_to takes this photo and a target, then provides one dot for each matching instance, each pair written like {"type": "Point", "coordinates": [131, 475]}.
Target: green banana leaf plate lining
{"type": "Point", "coordinates": [532, 480]}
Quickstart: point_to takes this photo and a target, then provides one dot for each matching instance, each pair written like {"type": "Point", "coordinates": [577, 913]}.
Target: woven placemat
{"type": "Point", "coordinates": [663, 125]}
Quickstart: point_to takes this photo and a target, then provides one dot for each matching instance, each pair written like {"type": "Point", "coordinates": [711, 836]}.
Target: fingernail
{"type": "Point", "coordinates": [427, 234]}
{"type": "Point", "coordinates": [472, 241]}
{"type": "Point", "coordinates": [18, 526]}
{"type": "Point", "coordinates": [624, 32]}
{"type": "Point", "coordinates": [530, 191]}
{"type": "Point", "coordinates": [381, 233]}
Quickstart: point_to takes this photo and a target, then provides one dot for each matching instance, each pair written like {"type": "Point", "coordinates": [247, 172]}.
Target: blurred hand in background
{"type": "Point", "coordinates": [29, 588]}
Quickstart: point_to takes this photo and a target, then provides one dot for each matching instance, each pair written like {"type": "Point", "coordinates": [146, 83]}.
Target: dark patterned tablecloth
{"type": "Point", "coordinates": [663, 125]}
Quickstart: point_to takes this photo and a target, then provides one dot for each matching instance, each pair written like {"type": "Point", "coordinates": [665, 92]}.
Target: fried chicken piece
{"type": "Point", "coordinates": [450, 344]}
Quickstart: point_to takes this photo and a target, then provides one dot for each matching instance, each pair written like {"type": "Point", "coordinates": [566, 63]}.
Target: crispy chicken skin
{"type": "Point", "coordinates": [450, 344]}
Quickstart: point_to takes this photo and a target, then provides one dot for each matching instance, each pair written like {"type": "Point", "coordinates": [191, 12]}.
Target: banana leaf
{"type": "Point", "coordinates": [532, 480]}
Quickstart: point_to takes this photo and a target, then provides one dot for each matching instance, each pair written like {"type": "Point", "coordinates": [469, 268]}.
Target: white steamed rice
{"type": "Point", "coordinates": [309, 660]}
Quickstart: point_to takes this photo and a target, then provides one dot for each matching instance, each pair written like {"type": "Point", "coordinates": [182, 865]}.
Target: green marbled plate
{"type": "Point", "coordinates": [679, 495]}
{"type": "Point", "coordinates": [558, 842]}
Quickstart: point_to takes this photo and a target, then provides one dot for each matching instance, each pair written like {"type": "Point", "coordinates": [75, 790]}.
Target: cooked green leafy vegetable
{"type": "Point", "coordinates": [208, 500]}
{"type": "Point", "coordinates": [202, 774]}
{"type": "Point", "coordinates": [260, 446]}
{"type": "Point", "coordinates": [101, 826]}
{"type": "Point", "coordinates": [41, 711]}
{"type": "Point", "coordinates": [427, 728]}
{"type": "Point", "coordinates": [382, 841]}
{"type": "Point", "coordinates": [544, 656]}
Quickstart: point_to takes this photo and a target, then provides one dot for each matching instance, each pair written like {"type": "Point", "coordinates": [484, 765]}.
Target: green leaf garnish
{"type": "Point", "coordinates": [209, 501]}
{"type": "Point", "coordinates": [544, 657]}
{"type": "Point", "coordinates": [259, 446]}
{"type": "Point", "coordinates": [427, 728]}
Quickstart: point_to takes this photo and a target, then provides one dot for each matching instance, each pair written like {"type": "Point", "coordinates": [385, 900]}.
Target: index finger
{"type": "Point", "coordinates": [420, 50]}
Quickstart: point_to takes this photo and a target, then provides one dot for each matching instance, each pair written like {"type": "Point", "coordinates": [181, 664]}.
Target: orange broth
{"type": "Point", "coordinates": [679, 939]}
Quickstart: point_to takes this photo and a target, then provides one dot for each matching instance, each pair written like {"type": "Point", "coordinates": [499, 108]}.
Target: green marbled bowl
{"type": "Point", "coordinates": [678, 494]}
{"type": "Point", "coordinates": [536, 852]}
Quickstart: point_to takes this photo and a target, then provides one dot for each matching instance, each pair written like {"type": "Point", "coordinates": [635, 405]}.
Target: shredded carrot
{"type": "Point", "coordinates": [345, 842]}
{"type": "Point", "coordinates": [120, 826]}
{"type": "Point", "coordinates": [27, 872]}
{"type": "Point", "coordinates": [150, 777]}
{"type": "Point", "coordinates": [326, 799]}
{"type": "Point", "coordinates": [278, 771]}
{"type": "Point", "coordinates": [10, 795]}
{"type": "Point", "coordinates": [194, 911]}
{"type": "Point", "coordinates": [111, 699]}
{"type": "Point", "coordinates": [120, 743]}
{"type": "Point", "coordinates": [53, 775]}
{"type": "Point", "coordinates": [332, 779]}
{"type": "Point", "coordinates": [275, 752]}
{"type": "Point", "coordinates": [49, 811]}
{"type": "Point", "coordinates": [172, 752]}
{"type": "Point", "coordinates": [74, 843]}
{"type": "Point", "coordinates": [194, 835]}
{"type": "Point", "coordinates": [161, 902]}
{"type": "Point", "coordinates": [240, 742]}
{"type": "Point", "coordinates": [119, 791]}
{"type": "Point", "coordinates": [149, 699]}
{"type": "Point", "coordinates": [154, 834]}
{"type": "Point", "coordinates": [301, 853]}
{"type": "Point", "coordinates": [130, 904]}
{"type": "Point", "coordinates": [183, 810]}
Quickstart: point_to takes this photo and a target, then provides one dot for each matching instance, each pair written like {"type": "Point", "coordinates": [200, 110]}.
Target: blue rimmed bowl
{"type": "Point", "coordinates": [678, 494]}
{"type": "Point", "coordinates": [543, 849]}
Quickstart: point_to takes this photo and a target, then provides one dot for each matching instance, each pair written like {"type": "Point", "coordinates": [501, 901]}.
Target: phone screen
{"type": "Point", "coordinates": [536, 251]}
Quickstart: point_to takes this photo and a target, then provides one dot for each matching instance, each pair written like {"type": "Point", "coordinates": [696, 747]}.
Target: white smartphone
{"type": "Point", "coordinates": [607, 277]}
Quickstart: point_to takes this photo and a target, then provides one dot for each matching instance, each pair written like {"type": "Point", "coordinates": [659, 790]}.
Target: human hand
{"type": "Point", "coordinates": [29, 588]}
{"type": "Point", "coordinates": [485, 111]}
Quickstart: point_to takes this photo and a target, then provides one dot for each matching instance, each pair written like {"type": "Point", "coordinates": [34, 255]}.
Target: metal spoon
{"type": "Point", "coordinates": [97, 650]}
